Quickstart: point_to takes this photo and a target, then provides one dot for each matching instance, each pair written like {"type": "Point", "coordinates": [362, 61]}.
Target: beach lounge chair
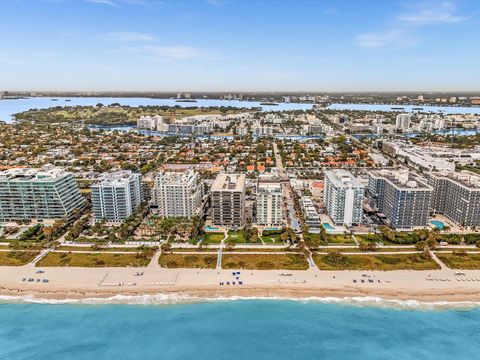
{"type": "Point", "coordinates": [240, 283]}
{"type": "Point", "coordinates": [233, 282]}
{"type": "Point", "coordinates": [228, 282]}
{"type": "Point", "coordinates": [354, 280]}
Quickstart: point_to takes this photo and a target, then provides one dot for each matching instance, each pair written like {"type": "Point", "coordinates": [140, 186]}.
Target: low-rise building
{"type": "Point", "coordinates": [310, 214]}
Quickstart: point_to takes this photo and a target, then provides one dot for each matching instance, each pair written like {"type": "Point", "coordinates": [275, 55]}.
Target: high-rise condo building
{"type": "Point", "coordinates": [403, 121]}
{"type": "Point", "coordinates": [177, 194]}
{"type": "Point", "coordinates": [48, 194]}
{"type": "Point", "coordinates": [228, 200]}
{"type": "Point", "coordinates": [269, 202]}
{"type": "Point", "coordinates": [403, 198]}
{"type": "Point", "coordinates": [457, 196]}
{"type": "Point", "coordinates": [343, 197]}
{"type": "Point", "coordinates": [116, 196]}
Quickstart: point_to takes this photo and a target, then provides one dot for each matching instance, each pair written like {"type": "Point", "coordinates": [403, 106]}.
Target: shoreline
{"type": "Point", "coordinates": [400, 301]}
{"type": "Point", "coordinates": [400, 288]}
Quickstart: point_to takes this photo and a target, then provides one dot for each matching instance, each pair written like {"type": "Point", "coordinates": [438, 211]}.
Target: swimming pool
{"type": "Point", "coordinates": [273, 228]}
{"type": "Point", "coordinates": [210, 228]}
{"type": "Point", "coordinates": [438, 224]}
{"type": "Point", "coordinates": [327, 226]}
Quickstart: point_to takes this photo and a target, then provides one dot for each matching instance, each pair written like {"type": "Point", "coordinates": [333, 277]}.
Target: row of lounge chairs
{"type": "Point", "coordinates": [232, 282]}
{"type": "Point", "coordinates": [35, 280]}
{"type": "Point", "coordinates": [363, 280]}
{"type": "Point", "coordinates": [118, 284]}
{"type": "Point", "coordinates": [162, 283]}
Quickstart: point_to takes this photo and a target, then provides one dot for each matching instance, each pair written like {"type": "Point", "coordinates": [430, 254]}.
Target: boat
{"type": "Point", "coordinates": [186, 100]}
{"type": "Point", "coordinates": [68, 100]}
{"type": "Point", "coordinates": [54, 99]}
{"type": "Point", "coordinates": [417, 108]}
{"type": "Point", "coordinates": [398, 108]}
{"type": "Point", "coordinates": [269, 103]}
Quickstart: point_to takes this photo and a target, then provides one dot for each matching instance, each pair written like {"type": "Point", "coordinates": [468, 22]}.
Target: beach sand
{"type": "Point", "coordinates": [82, 283]}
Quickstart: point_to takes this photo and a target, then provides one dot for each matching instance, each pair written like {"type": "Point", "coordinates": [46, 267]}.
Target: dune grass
{"type": "Point", "coordinates": [264, 261]}
{"type": "Point", "coordinates": [463, 261]}
{"type": "Point", "coordinates": [96, 259]}
{"type": "Point", "coordinates": [336, 261]}
{"type": "Point", "coordinates": [197, 261]}
{"type": "Point", "coordinates": [16, 258]}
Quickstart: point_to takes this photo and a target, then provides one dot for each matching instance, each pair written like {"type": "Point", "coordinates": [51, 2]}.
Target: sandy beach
{"type": "Point", "coordinates": [82, 283]}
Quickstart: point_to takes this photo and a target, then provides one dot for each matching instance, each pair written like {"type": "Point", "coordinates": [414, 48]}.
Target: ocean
{"type": "Point", "coordinates": [239, 329]}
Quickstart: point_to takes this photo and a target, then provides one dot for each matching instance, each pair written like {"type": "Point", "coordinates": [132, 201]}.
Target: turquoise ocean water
{"type": "Point", "coordinates": [246, 329]}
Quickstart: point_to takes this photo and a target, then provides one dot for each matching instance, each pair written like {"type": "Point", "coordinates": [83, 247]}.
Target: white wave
{"type": "Point", "coordinates": [171, 299]}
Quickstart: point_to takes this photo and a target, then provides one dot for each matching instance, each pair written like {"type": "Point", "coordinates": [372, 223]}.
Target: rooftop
{"type": "Point", "coordinates": [229, 182]}
{"type": "Point", "coordinates": [464, 178]}
{"type": "Point", "coordinates": [115, 178]}
{"type": "Point", "coordinates": [47, 173]}
{"type": "Point", "coordinates": [175, 177]}
{"type": "Point", "coordinates": [403, 179]}
{"type": "Point", "coordinates": [342, 179]}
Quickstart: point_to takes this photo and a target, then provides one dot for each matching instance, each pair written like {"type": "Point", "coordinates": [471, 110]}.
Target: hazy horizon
{"type": "Point", "coordinates": [238, 46]}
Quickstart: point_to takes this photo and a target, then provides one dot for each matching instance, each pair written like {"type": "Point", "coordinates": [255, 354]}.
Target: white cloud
{"type": "Point", "coordinates": [102, 2]}
{"type": "Point", "coordinates": [166, 52]}
{"type": "Point", "coordinates": [176, 52]}
{"type": "Point", "coordinates": [127, 36]}
{"type": "Point", "coordinates": [432, 13]}
{"type": "Point", "coordinates": [391, 39]}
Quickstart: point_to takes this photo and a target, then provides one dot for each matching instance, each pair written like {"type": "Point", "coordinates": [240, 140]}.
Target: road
{"type": "Point", "coordinates": [287, 190]}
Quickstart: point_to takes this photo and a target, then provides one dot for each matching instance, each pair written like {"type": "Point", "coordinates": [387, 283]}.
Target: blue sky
{"type": "Point", "coordinates": [150, 45]}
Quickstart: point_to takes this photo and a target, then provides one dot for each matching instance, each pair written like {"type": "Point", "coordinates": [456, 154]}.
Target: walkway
{"type": "Point", "coordinates": [219, 259]}
{"type": "Point", "coordinates": [438, 261]}
{"type": "Point", "coordinates": [154, 262]}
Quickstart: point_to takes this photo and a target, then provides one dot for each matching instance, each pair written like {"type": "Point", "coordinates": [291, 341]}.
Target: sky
{"type": "Point", "coordinates": [239, 45]}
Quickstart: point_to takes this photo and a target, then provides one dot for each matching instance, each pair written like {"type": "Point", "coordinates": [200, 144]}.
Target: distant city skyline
{"type": "Point", "coordinates": [232, 45]}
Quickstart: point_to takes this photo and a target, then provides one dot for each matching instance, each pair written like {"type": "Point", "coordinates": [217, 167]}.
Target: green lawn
{"type": "Point", "coordinates": [99, 249]}
{"type": "Point", "coordinates": [370, 238]}
{"type": "Point", "coordinates": [274, 239]}
{"type": "Point", "coordinates": [340, 239]}
{"type": "Point", "coordinates": [195, 249]}
{"type": "Point", "coordinates": [236, 236]}
{"type": "Point", "coordinates": [264, 261]}
{"type": "Point", "coordinates": [260, 249]}
{"type": "Point", "coordinates": [200, 261]}
{"type": "Point", "coordinates": [95, 259]}
{"type": "Point", "coordinates": [330, 249]}
{"type": "Point", "coordinates": [214, 238]}
{"type": "Point", "coordinates": [460, 261]}
{"type": "Point", "coordinates": [16, 258]}
{"type": "Point", "coordinates": [374, 262]}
